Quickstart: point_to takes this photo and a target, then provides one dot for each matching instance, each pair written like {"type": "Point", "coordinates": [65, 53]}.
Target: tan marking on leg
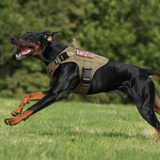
{"type": "Point", "coordinates": [27, 99]}
{"type": "Point", "coordinates": [17, 119]}
{"type": "Point", "coordinates": [156, 106]}
{"type": "Point", "coordinates": [28, 116]}
{"type": "Point", "coordinates": [158, 138]}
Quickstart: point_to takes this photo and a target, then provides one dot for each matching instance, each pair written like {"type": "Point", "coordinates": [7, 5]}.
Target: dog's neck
{"type": "Point", "coordinates": [52, 50]}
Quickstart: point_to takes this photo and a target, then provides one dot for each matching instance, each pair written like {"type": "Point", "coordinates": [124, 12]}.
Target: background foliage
{"type": "Point", "coordinates": [123, 30]}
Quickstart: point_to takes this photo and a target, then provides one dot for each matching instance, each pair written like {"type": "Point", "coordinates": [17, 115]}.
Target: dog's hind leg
{"type": "Point", "coordinates": [157, 109]}
{"type": "Point", "coordinates": [27, 99]}
{"type": "Point", "coordinates": [157, 104]}
{"type": "Point", "coordinates": [144, 95]}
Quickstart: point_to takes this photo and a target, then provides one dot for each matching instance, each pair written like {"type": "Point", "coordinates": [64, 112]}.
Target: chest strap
{"type": "Point", "coordinates": [85, 84]}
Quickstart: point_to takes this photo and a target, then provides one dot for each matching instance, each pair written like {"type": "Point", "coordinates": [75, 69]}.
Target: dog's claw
{"type": "Point", "coordinates": [17, 113]}
{"type": "Point", "coordinates": [5, 121]}
{"type": "Point", "coordinates": [10, 123]}
{"type": "Point", "coordinates": [13, 114]}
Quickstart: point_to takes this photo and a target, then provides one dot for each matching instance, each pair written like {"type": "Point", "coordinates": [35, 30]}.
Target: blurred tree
{"type": "Point", "coordinates": [122, 30]}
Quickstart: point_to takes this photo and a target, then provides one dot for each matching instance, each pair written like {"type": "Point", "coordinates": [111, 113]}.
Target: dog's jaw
{"type": "Point", "coordinates": [25, 52]}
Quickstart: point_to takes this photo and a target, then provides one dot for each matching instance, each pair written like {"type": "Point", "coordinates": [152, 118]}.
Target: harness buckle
{"type": "Point", "coordinates": [63, 56]}
{"type": "Point", "coordinates": [56, 61]}
{"type": "Point", "coordinates": [86, 77]}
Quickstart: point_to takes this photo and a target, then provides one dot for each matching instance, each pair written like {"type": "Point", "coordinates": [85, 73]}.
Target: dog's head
{"type": "Point", "coordinates": [32, 43]}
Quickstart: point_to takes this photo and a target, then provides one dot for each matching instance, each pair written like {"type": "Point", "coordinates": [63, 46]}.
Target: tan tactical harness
{"type": "Point", "coordinates": [87, 67]}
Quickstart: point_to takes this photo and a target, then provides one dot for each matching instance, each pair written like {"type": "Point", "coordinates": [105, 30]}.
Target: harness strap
{"type": "Point", "coordinates": [80, 89]}
{"type": "Point", "coordinates": [86, 75]}
{"type": "Point", "coordinates": [85, 83]}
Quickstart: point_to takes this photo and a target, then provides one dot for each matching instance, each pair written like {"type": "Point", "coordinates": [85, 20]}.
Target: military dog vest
{"type": "Point", "coordinates": [87, 62]}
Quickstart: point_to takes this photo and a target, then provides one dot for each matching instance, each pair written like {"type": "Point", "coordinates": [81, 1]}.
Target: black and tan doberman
{"type": "Point", "coordinates": [125, 79]}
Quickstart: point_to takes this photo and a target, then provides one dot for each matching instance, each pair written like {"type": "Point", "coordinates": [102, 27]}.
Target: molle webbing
{"type": "Point", "coordinates": [87, 67]}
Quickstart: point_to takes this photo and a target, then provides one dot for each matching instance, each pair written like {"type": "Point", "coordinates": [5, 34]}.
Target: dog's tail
{"type": "Point", "coordinates": [153, 73]}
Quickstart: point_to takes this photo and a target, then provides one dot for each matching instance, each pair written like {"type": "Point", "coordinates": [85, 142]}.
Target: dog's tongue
{"type": "Point", "coordinates": [24, 49]}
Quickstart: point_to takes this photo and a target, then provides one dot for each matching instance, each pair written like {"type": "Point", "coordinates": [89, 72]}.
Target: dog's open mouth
{"type": "Point", "coordinates": [25, 52]}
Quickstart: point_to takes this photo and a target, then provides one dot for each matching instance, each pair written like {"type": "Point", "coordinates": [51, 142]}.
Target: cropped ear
{"type": "Point", "coordinates": [49, 36]}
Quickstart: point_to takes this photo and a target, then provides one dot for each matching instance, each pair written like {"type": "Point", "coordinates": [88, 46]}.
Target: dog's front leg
{"type": "Point", "coordinates": [26, 100]}
{"type": "Point", "coordinates": [44, 102]}
{"type": "Point", "coordinates": [66, 79]}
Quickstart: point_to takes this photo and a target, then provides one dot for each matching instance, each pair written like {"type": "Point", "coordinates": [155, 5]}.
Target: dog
{"type": "Point", "coordinates": [125, 79]}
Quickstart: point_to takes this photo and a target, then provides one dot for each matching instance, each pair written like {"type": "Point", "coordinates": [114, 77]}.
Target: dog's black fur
{"type": "Point", "coordinates": [125, 79]}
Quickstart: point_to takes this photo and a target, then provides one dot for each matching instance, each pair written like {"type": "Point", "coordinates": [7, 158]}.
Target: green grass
{"type": "Point", "coordinates": [116, 132]}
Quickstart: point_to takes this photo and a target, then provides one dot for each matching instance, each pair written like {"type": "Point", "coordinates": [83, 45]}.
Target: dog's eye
{"type": "Point", "coordinates": [30, 37]}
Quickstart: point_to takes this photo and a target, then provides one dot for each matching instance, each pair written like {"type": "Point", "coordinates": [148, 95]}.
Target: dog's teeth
{"type": "Point", "coordinates": [17, 55]}
{"type": "Point", "coordinates": [28, 51]}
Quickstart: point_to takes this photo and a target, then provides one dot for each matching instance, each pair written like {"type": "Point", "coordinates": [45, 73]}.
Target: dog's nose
{"type": "Point", "coordinates": [13, 40]}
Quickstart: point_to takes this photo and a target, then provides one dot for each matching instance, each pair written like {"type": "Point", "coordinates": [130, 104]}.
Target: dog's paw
{"type": "Point", "coordinates": [16, 112]}
{"type": "Point", "coordinates": [10, 121]}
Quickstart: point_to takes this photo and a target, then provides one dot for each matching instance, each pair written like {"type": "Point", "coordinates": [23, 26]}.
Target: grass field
{"type": "Point", "coordinates": [100, 132]}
